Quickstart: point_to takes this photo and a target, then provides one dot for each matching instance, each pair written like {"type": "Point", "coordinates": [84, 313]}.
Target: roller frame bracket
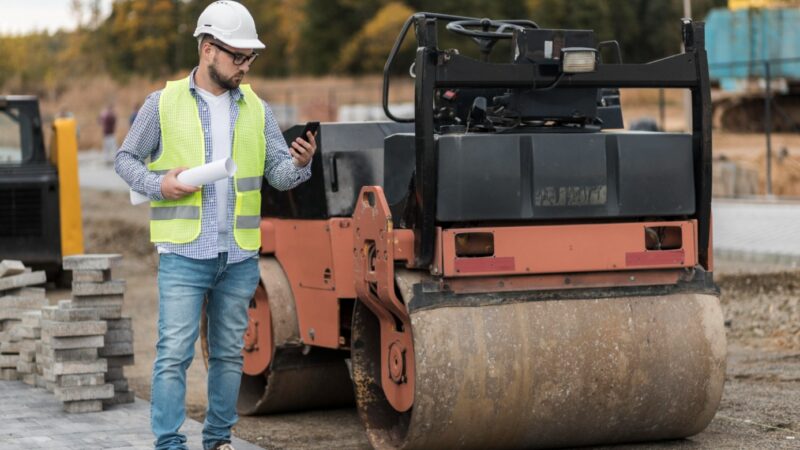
{"type": "Point", "coordinates": [374, 253]}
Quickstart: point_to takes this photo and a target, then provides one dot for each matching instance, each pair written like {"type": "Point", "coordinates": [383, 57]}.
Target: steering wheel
{"type": "Point", "coordinates": [488, 31]}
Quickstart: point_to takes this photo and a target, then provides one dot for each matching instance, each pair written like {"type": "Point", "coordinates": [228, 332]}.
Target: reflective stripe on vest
{"type": "Point", "coordinates": [179, 221]}
{"type": "Point", "coordinates": [174, 212]}
{"type": "Point", "coordinates": [248, 221]}
{"type": "Point", "coordinates": [249, 183]}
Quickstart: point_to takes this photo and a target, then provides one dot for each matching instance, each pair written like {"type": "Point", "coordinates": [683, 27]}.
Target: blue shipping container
{"type": "Point", "coordinates": [752, 35]}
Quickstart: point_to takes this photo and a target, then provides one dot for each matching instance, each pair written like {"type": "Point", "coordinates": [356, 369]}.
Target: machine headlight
{"type": "Point", "coordinates": [578, 59]}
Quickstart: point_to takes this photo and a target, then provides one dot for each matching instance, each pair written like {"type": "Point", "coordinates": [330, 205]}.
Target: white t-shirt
{"type": "Point", "coordinates": [220, 113]}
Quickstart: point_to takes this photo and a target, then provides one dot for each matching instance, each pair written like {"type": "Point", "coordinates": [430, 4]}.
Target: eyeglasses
{"type": "Point", "coordinates": [238, 58]}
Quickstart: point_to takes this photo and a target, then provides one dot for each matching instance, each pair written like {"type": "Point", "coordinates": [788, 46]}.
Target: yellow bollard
{"type": "Point", "coordinates": [64, 156]}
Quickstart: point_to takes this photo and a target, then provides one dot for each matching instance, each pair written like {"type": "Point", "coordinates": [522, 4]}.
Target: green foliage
{"type": "Point", "coordinates": [329, 25]}
{"type": "Point", "coordinates": [141, 37]}
{"type": "Point", "coordinates": [367, 50]}
{"type": "Point", "coordinates": [154, 37]}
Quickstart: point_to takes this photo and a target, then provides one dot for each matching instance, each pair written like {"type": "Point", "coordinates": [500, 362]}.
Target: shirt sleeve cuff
{"type": "Point", "coordinates": [303, 173]}
{"type": "Point", "coordinates": [152, 185]}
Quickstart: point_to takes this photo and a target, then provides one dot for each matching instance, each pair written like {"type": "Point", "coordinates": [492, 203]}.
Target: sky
{"type": "Point", "coordinates": [25, 16]}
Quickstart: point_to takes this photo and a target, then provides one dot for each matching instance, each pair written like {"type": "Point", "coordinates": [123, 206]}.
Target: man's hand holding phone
{"type": "Point", "coordinates": [303, 148]}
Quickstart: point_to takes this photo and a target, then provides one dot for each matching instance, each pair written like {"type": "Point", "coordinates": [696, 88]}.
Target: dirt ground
{"type": "Point", "coordinates": [760, 406]}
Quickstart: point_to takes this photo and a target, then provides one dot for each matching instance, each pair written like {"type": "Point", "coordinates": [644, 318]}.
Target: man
{"type": "Point", "coordinates": [207, 238]}
{"type": "Point", "coordinates": [108, 122]}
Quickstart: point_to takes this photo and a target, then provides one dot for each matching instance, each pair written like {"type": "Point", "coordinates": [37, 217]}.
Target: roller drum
{"type": "Point", "coordinates": [298, 378]}
{"type": "Point", "coordinates": [543, 374]}
{"type": "Point", "coordinates": [297, 382]}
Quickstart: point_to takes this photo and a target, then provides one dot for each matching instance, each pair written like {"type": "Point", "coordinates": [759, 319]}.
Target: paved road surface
{"type": "Point", "coordinates": [32, 418]}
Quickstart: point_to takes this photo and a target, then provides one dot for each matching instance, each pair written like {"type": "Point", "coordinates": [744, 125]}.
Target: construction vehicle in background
{"type": "Point", "coordinates": [40, 210]}
{"type": "Point", "coordinates": [506, 269]}
{"type": "Point", "coordinates": [750, 43]}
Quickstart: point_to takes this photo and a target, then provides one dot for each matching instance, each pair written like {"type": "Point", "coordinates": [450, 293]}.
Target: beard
{"type": "Point", "coordinates": [229, 83]}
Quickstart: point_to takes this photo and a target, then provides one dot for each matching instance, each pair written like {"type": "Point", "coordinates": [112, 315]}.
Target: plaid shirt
{"type": "Point", "coordinates": [144, 140]}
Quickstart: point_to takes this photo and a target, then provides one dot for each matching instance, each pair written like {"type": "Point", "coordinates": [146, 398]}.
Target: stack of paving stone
{"type": "Point", "coordinates": [118, 350]}
{"type": "Point", "coordinates": [17, 299]}
{"type": "Point", "coordinates": [94, 288]}
{"type": "Point", "coordinates": [69, 357]}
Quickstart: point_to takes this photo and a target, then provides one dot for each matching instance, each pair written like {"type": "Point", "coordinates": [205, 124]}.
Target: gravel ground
{"type": "Point", "coordinates": [761, 401]}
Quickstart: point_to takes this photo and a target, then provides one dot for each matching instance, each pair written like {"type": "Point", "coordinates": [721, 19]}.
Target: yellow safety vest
{"type": "Point", "coordinates": [183, 145]}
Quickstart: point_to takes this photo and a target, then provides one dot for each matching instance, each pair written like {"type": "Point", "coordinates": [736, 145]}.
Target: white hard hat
{"type": "Point", "coordinates": [229, 22]}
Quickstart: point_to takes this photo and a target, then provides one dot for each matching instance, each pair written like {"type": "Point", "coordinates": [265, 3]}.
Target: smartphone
{"type": "Point", "coordinates": [313, 127]}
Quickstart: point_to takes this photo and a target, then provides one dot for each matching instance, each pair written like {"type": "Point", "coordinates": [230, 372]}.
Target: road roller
{"type": "Point", "coordinates": [508, 268]}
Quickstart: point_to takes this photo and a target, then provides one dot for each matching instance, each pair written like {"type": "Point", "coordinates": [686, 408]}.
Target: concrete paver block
{"type": "Point", "coordinates": [25, 367]}
{"type": "Point", "coordinates": [22, 280]}
{"type": "Point", "coordinates": [5, 336]}
{"type": "Point", "coordinates": [28, 345]}
{"type": "Point", "coordinates": [9, 374]}
{"type": "Point", "coordinates": [84, 288]}
{"type": "Point", "coordinates": [116, 349]}
{"type": "Point", "coordinates": [85, 379]}
{"type": "Point", "coordinates": [79, 367]}
{"type": "Point", "coordinates": [83, 406]}
{"type": "Point", "coordinates": [120, 385]}
{"type": "Point", "coordinates": [114, 372]}
{"type": "Point", "coordinates": [32, 318]}
{"type": "Point", "coordinates": [22, 302]}
{"type": "Point", "coordinates": [24, 332]}
{"type": "Point", "coordinates": [11, 267]}
{"type": "Point", "coordinates": [62, 343]}
{"type": "Point", "coordinates": [12, 335]}
{"type": "Point", "coordinates": [119, 361]}
{"type": "Point", "coordinates": [74, 393]}
{"type": "Point", "coordinates": [75, 354]}
{"type": "Point", "coordinates": [92, 301]}
{"type": "Point", "coordinates": [107, 307]}
{"type": "Point", "coordinates": [51, 329]}
{"type": "Point", "coordinates": [12, 313]}
{"type": "Point", "coordinates": [109, 312]}
{"type": "Point", "coordinates": [52, 371]}
{"type": "Point", "coordinates": [9, 347]}
{"type": "Point", "coordinates": [63, 313]}
{"type": "Point", "coordinates": [27, 355]}
{"type": "Point", "coordinates": [119, 336]}
{"type": "Point", "coordinates": [120, 398]}
{"type": "Point", "coordinates": [9, 361]}
{"type": "Point", "coordinates": [95, 276]}
{"type": "Point", "coordinates": [92, 262]}
{"type": "Point", "coordinates": [124, 323]}
{"type": "Point", "coordinates": [36, 292]}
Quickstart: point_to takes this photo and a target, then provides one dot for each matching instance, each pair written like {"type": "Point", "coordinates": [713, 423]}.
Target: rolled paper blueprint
{"type": "Point", "coordinates": [197, 176]}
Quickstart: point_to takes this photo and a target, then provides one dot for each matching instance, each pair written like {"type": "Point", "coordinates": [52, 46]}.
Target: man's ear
{"type": "Point", "coordinates": [205, 48]}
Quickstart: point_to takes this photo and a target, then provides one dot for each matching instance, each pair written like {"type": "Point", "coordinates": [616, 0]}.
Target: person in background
{"type": "Point", "coordinates": [108, 122]}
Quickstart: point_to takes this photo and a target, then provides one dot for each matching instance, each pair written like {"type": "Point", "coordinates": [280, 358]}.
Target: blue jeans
{"type": "Point", "coordinates": [183, 283]}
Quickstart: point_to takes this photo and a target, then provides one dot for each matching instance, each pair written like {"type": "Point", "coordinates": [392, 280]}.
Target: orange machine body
{"type": "Point", "coordinates": [317, 256]}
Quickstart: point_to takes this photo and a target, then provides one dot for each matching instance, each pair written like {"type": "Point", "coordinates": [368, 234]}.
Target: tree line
{"type": "Point", "coordinates": [153, 38]}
